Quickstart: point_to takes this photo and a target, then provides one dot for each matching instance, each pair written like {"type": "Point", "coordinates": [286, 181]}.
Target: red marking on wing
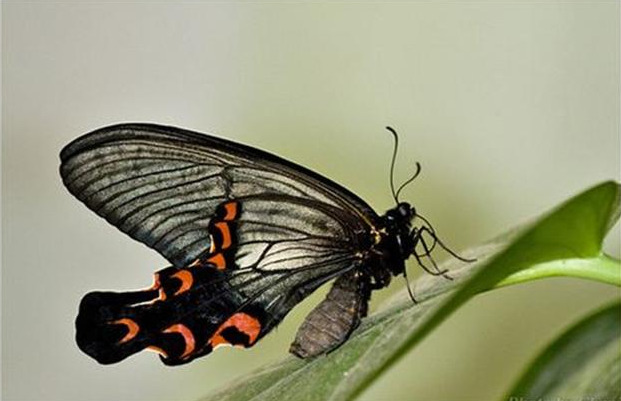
{"type": "Point", "coordinates": [188, 337]}
{"type": "Point", "coordinates": [218, 260]}
{"type": "Point", "coordinates": [214, 255]}
{"type": "Point", "coordinates": [157, 285]}
{"type": "Point", "coordinates": [156, 282]}
{"type": "Point", "coordinates": [186, 280]}
{"type": "Point", "coordinates": [132, 329]}
{"type": "Point", "coordinates": [226, 234]}
{"type": "Point", "coordinates": [231, 211]}
{"type": "Point", "coordinates": [242, 322]}
{"type": "Point", "coordinates": [158, 350]}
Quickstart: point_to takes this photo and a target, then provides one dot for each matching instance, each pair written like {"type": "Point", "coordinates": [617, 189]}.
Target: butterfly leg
{"type": "Point", "coordinates": [418, 238]}
{"type": "Point", "coordinates": [334, 319]}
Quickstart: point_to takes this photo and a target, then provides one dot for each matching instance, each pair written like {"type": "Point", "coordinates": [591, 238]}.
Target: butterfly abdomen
{"type": "Point", "coordinates": [333, 320]}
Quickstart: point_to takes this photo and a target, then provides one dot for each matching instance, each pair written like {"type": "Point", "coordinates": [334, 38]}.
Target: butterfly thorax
{"type": "Point", "coordinates": [397, 243]}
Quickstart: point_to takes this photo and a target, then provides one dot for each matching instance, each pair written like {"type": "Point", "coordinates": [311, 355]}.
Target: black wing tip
{"type": "Point", "coordinates": [99, 333]}
{"type": "Point", "coordinates": [93, 336]}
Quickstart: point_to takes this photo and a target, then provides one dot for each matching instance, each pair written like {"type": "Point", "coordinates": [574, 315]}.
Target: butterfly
{"type": "Point", "coordinates": [248, 236]}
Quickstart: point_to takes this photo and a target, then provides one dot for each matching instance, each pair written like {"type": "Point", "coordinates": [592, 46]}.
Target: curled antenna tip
{"type": "Point", "coordinates": [391, 129]}
{"type": "Point", "coordinates": [412, 178]}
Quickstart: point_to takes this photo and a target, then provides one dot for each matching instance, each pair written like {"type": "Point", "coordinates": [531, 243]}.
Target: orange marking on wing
{"type": "Point", "coordinates": [132, 329]}
{"type": "Point", "coordinates": [217, 340]}
{"type": "Point", "coordinates": [158, 350]}
{"type": "Point", "coordinates": [157, 286]}
{"type": "Point", "coordinates": [218, 260]}
{"type": "Point", "coordinates": [186, 280]}
{"type": "Point", "coordinates": [188, 337]}
{"type": "Point", "coordinates": [156, 282]}
{"type": "Point", "coordinates": [226, 234]}
{"type": "Point", "coordinates": [242, 322]}
{"type": "Point", "coordinates": [231, 211]}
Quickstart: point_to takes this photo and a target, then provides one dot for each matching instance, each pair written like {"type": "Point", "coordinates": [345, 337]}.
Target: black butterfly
{"type": "Point", "coordinates": [248, 234]}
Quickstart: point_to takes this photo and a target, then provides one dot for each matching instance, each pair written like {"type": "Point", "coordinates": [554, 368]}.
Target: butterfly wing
{"type": "Point", "coordinates": [248, 234]}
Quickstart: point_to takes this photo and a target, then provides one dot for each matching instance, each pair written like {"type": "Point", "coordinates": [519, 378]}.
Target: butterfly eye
{"type": "Point", "coordinates": [406, 210]}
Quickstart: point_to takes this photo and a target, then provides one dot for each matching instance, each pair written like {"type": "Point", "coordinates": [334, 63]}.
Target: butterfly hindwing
{"type": "Point", "coordinates": [190, 311]}
{"type": "Point", "coordinates": [249, 235]}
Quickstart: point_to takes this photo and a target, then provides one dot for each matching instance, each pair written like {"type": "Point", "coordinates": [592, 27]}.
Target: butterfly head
{"type": "Point", "coordinates": [401, 216]}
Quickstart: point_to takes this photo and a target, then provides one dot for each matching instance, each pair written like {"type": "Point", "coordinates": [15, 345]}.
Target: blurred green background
{"type": "Point", "coordinates": [510, 107]}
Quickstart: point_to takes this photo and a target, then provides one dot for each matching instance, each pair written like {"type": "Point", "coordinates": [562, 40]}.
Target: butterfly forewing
{"type": "Point", "coordinates": [161, 185]}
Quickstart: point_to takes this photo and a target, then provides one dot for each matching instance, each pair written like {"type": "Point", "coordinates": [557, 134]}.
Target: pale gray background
{"type": "Point", "coordinates": [511, 107]}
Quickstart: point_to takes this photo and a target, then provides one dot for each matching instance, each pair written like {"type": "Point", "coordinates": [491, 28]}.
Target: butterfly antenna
{"type": "Point", "coordinates": [407, 284]}
{"type": "Point", "coordinates": [392, 163]}
{"type": "Point", "coordinates": [409, 180]}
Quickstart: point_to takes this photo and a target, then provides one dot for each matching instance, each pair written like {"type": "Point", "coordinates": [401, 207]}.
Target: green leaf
{"type": "Point", "coordinates": [571, 233]}
{"type": "Point", "coordinates": [584, 363]}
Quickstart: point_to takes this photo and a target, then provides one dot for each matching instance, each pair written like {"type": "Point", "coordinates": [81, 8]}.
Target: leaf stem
{"type": "Point", "coordinates": [603, 268]}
